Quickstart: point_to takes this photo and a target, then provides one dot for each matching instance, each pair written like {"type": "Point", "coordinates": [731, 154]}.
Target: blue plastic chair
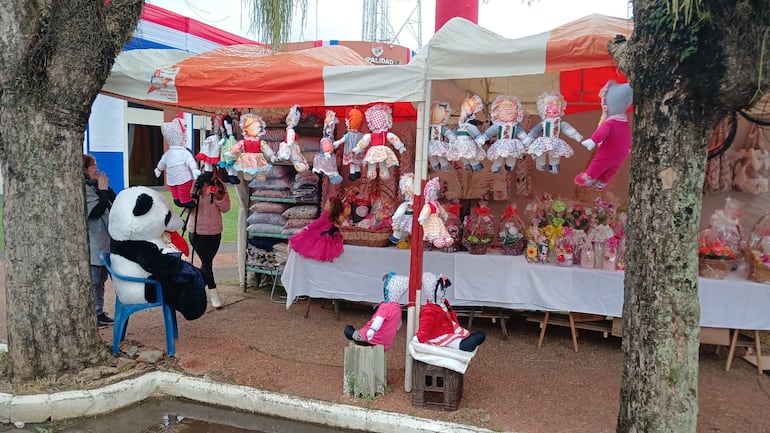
{"type": "Point", "coordinates": [124, 311]}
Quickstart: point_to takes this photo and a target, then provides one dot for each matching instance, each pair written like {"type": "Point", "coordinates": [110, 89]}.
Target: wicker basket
{"type": "Point", "coordinates": [477, 248]}
{"type": "Point", "coordinates": [514, 249]}
{"type": "Point", "coordinates": [368, 238]}
{"type": "Point", "coordinates": [758, 270]}
{"type": "Point", "coordinates": [714, 268]}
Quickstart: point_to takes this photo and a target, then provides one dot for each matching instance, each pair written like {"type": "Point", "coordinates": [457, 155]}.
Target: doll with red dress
{"type": "Point", "coordinates": [378, 155]}
{"type": "Point", "coordinates": [612, 138]}
{"type": "Point", "coordinates": [321, 240]}
{"type": "Point", "coordinates": [252, 150]}
{"type": "Point", "coordinates": [179, 163]}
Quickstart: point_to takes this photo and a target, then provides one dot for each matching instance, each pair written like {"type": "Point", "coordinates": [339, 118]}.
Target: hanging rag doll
{"type": "Point", "coordinates": [380, 119]}
{"type": "Point", "coordinates": [612, 138]}
{"type": "Point", "coordinates": [179, 163]}
{"type": "Point", "coordinates": [251, 150]}
{"type": "Point", "coordinates": [210, 152]}
{"type": "Point", "coordinates": [469, 140]}
{"type": "Point", "coordinates": [325, 162]}
{"type": "Point", "coordinates": [506, 114]}
{"type": "Point", "coordinates": [289, 150]}
{"type": "Point", "coordinates": [432, 216]}
{"type": "Point", "coordinates": [226, 157]}
{"type": "Point", "coordinates": [386, 321]}
{"type": "Point", "coordinates": [351, 138]}
{"type": "Point", "coordinates": [543, 141]}
{"type": "Point", "coordinates": [402, 217]}
{"type": "Point", "coordinates": [438, 147]}
{"type": "Point", "coordinates": [321, 240]}
{"type": "Point", "coordinates": [438, 324]}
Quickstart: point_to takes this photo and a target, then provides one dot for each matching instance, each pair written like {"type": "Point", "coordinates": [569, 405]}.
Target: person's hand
{"type": "Point", "coordinates": [102, 182]}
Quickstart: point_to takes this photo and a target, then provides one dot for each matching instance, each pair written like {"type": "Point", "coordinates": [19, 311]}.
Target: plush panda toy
{"type": "Point", "coordinates": [138, 218]}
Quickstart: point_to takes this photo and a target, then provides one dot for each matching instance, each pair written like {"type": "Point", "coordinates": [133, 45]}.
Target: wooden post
{"type": "Point", "coordinates": [364, 371]}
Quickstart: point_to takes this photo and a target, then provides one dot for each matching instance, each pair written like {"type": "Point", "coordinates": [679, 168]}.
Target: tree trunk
{"type": "Point", "coordinates": [54, 59]}
{"type": "Point", "coordinates": [685, 77]}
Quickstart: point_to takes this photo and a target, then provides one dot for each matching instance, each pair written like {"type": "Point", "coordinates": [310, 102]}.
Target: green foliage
{"type": "Point", "coordinates": [271, 19]}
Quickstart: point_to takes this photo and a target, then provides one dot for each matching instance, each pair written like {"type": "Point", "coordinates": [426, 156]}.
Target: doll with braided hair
{"type": "Point", "coordinates": [438, 324]}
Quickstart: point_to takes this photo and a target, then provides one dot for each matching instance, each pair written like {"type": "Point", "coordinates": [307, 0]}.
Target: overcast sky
{"type": "Point", "coordinates": [342, 19]}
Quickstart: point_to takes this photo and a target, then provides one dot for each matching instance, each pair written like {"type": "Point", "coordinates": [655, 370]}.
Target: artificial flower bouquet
{"type": "Point", "coordinates": [479, 229]}
{"type": "Point", "coordinates": [537, 245]}
{"type": "Point", "coordinates": [511, 233]}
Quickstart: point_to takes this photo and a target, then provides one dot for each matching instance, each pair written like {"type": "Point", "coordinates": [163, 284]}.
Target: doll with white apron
{"type": "Point", "coordinates": [441, 141]}
{"type": "Point", "coordinates": [506, 114]}
{"type": "Point", "coordinates": [544, 142]}
{"type": "Point", "coordinates": [378, 155]}
{"type": "Point", "coordinates": [469, 140]}
{"type": "Point", "coordinates": [353, 121]}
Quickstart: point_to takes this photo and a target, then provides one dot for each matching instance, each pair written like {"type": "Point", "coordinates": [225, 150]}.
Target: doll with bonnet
{"type": "Point", "coordinates": [506, 114]}
{"type": "Point", "coordinates": [289, 150]}
{"type": "Point", "coordinates": [325, 162]}
{"type": "Point", "coordinates": [384, 324]}
{"type": "Point", "coordinates": [378, 155]}
{"type": "Point", "coordinates": [351, 138]}
{"type": "Point", "coordinates": [612, 137]}
{"type": "Point", "coordinates": [226, 157]}
{"type": "Point", "coordinates": [179, 164]}
{"type": "Point", "coordinates": [432, 216]}
{"type": "Point", "coordinates": [251, 160]}
{"type": "Point", "coordinates": [402, 217]}
{"type": "Point", "coordinates": [469, 140]}
{"type": "Point", "coordinates": [442, 138]}
{"type": "Point", "coordinates": [544, 142]}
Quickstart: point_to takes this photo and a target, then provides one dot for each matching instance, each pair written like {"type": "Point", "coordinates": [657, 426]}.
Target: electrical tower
{"type": "Point", "coordinates": [377, 26]}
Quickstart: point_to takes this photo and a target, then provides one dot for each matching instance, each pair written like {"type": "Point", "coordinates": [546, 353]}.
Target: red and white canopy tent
{"type": "Point", "coordinates": [461, 57]}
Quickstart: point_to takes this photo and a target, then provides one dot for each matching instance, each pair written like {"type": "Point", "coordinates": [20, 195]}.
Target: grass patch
{"type": "Point", "coordinates": [229, 219]}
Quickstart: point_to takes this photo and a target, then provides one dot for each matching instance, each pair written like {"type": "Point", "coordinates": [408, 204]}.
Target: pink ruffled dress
{"type": "Point", "coordinates": [321, 240]}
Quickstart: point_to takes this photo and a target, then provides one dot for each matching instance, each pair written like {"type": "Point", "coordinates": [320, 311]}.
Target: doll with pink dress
{"type": "Point", "coordinates": [325, 162]}
{"type": "Point", "coordinates": [321, 240]}
{"type": "Point", "coordinates": [353, 160]}
{"type": "Point", "coordinates": [386, 321]}
{"type": "Point", "coordinates": [251, 160]}
{"type": "Point", "coordinates": [432, 216]}
{"type": "Point", "coordinates": [544, 141]}
{"type": "Point", "coordinates": [378, 155]}
{"type": "Point", "coordinates": [441, 141]}
{"type": "Point", "coordinates": [506, 114]}
{"type": "Point", "coordinates": [469, 140]}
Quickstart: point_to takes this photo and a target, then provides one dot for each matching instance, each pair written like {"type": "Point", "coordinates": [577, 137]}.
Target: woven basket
{"type": "Point", "coordinates": [714, 268]}
{"type": "Point", "coordinates": [477, 248]}
{"type": "Point", "coordinates": [758, 270]}
{"type": "Point", "coordinates": [513, 249]}
{"type": "Point", "coordinates": [368, 238]}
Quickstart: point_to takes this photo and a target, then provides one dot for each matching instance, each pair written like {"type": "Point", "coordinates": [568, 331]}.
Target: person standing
{"type": "Point", "coordinates": [99, 197]}
{"type": "Point", "coordinates": [205, 230]}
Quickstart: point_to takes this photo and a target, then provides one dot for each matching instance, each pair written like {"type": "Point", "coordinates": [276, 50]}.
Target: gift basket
{"type": "Point", "coordinates": [367, 220]}
{"type": "Point", "coordinates": [479, 228]}
{"type": "Point", "coordinates": [720, 245]}
{"type": "Point", "coordinates": [758, 254]}
{"type": "Point", "coordinates": [511, 234]}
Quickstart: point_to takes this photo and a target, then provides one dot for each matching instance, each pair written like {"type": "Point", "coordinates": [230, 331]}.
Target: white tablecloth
{"type": "Point", "coordinates": [494, 280]}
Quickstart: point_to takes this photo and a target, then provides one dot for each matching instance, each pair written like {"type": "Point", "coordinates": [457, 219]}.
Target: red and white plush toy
{"type": "Point", "coordinates": [612, 137]}
{"type": "Point", "coordinates": [179, 163]}
{"type": "Point", "coordinates": [378, 155]}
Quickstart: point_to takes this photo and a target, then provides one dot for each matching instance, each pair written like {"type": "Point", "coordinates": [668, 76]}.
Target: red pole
{"type": "Point", "coordinates": [415, 260]}
{"type": "Point", "coordinates": [448, 9]}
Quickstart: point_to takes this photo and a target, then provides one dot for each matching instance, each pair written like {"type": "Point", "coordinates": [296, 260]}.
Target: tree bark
{"type": "Point", "coordinates": [685, 77]}
{"type": "Point", "coordinates": [54, 58]}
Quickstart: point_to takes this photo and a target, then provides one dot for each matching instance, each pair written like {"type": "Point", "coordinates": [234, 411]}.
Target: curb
{"type": "Point", "coordinates": [75, 404]}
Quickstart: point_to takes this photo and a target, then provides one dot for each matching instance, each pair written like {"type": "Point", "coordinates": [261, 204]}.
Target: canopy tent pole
{"type": "Point", "coordinates": [416, 252]}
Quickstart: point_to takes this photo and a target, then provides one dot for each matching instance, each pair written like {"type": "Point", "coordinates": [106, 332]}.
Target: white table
{"type": "Point", "coordinates": [493, 280]}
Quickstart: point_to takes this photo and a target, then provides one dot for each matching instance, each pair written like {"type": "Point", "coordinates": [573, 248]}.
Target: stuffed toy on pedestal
{"type": "Point", "coordinates": [325, 162]}
{"type": "Point", "coordinates": [378, 155]}
{"type": "Point", "coordinates": [544, 142]}
{"type": "Point", "coordinates": [351, 138]}
{"type": "Point", "coordinates": [441, 143]}
{"type": "Point", "coordinates": [402, 217]}
{"type": "Point", "coordinates": [386, 321]}
{"type": "Point", "coordinates": [469, 140]}
{"type": "Point", "coordinates": [289, 149]}
{"type": "Point", "coordinates": [139, 218]}
{"type": "Point", "coordinates": [226, 157]}
{"type": "Point", "coordinates": [252, 152]}
{"type": "Point", "coordinates": [612, 137]}
{"type": "Point", "coordinates": [179, 163]}
{"type": "Point", "coordinates": [506, 115]}
{"type": "Point", "coordinates": [438, 324]}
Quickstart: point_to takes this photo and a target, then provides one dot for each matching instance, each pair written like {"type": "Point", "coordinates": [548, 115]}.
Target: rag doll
{"type": "Point", "coordinates": [469, 140]}
{"type": "Point", "coordinates": [386, 321]}
{"type": "Point", "coordinates": [251, 150]}
{"type": "Point", "coordinates": [438, 324]}
{"type": "Point", "coordinates": [506, 114]}
{"type": "Point", "coordinates": [438, 147]}
{"type": "Point", "coordinates": [402, 217]}
{"type": "Point", "coordinates": [432, 216]}
{"type": "Point", "coordinates": [321, 240]}
{"type": "Point", "coordinates": [226, 144]}
{"type": "Point", "coordinates": [351, 138]}
{"type": "Point", "coordinates": [378, 154]}
{"type": "Point", "coordinates": [209, 154]}
{"type": "Point", "coordinates": [138, 220]}
{"type": "Point", "coordinates": [179, 163]}
{"type": "Point", "coordinates": [325, 162]}
{"type": "Point", "coordinates": [289, 150]}
{"type": "Point", "coordinates": [543, 141]}
{"type": "Point", "coordinates": [612, 138]}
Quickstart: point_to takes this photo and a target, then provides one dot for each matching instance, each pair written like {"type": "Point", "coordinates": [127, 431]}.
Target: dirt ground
{"type": "Point", "coordinates": [510, 385]}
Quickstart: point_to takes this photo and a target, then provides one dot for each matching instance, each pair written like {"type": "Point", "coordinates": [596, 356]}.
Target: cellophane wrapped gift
{"type": "Point", "coordinates": [479, 228]}
{"type": "Point", "coordinates": [565, 248]}
{"type": "Point", "coordinates": [537, 245]}
{"type": "Point", "coordinates": [716, 253]}
{"type": "Point", "coordinates": [758, 255]}
{"type": "Point", "coordinates": [511, 233]}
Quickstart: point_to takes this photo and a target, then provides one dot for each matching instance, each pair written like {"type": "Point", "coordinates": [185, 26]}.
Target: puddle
{"type": "Point", "coordinates": [167, 415]}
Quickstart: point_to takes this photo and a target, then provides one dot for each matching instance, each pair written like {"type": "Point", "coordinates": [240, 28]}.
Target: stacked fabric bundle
{"type": "Point", "coordinates": [266, 255]}
{"type": "Point", "coordinates": [266, 217]}
{"type": "Point", "coordinates": [305, 187]}
{"type": "Point", "coordinates": [277, 183]}
{"type": "Point", "coordinates": [298, 217]}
